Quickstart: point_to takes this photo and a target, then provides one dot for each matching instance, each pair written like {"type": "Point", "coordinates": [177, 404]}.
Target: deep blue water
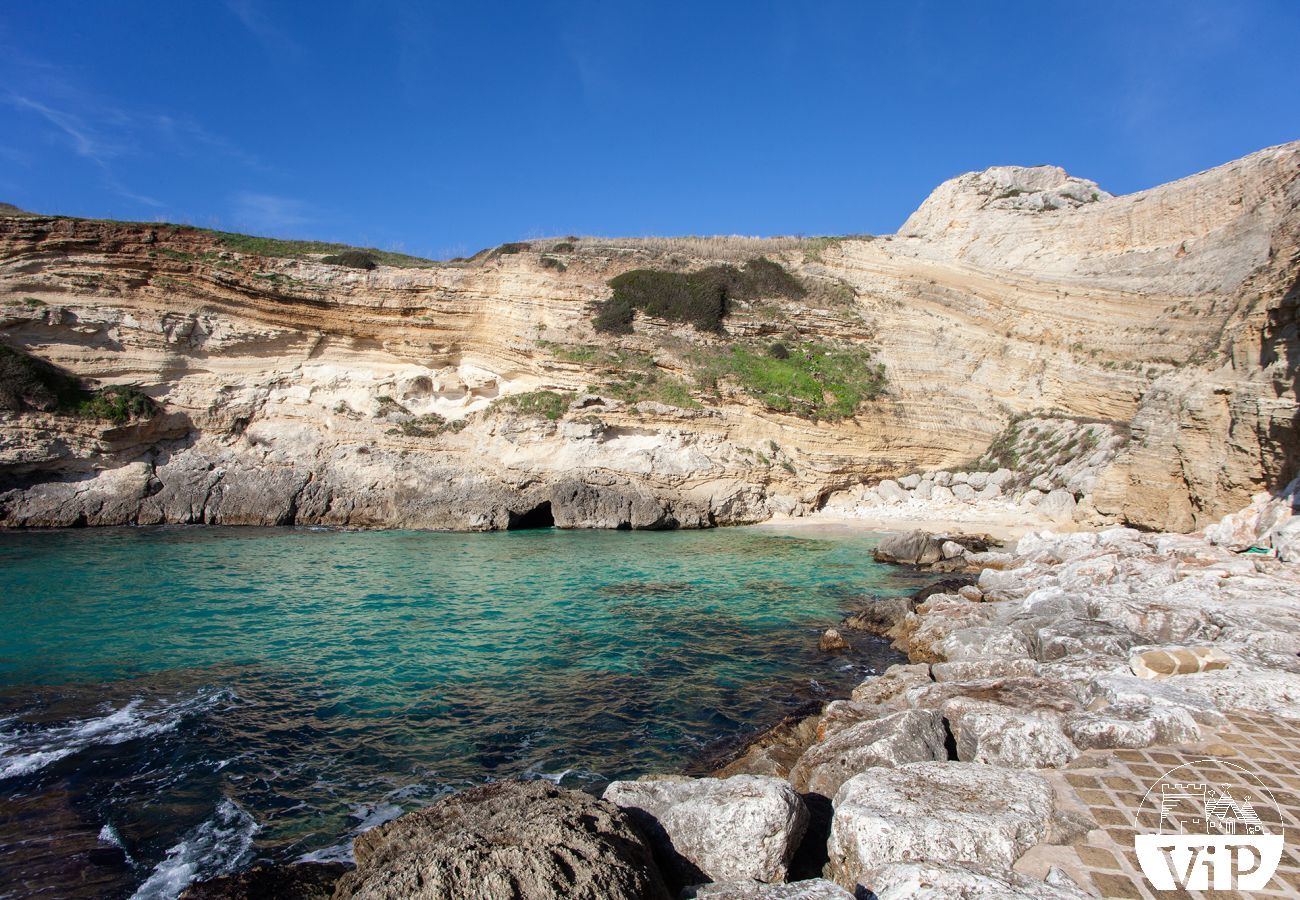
{"type": "Point", "coordinates": [176, 702]}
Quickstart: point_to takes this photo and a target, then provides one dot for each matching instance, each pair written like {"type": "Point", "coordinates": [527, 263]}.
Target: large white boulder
{"type": "Point", "coordinates": [939, 812]}
{"type": "Point", "coordinates": [891, 492]}
{"type": "Point", "coordinates": [909, 736]}
{"type": "Point", "coordinates": [1058, 506]}
{"type": "Point", "coordinates": [988, 733]}
{"type": "Point", "coordinates": [716, 829]}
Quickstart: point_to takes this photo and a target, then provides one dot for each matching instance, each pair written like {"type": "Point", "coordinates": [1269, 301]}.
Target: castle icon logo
{"type": "Point", "coordinates": [1209, 825]}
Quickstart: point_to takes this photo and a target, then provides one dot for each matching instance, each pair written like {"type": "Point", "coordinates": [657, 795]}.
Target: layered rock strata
{"type": "Point", "coordinates": [297, 391]}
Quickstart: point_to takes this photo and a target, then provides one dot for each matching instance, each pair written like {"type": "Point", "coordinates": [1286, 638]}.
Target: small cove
{"type": "Point", "coordinates": [175, 702]}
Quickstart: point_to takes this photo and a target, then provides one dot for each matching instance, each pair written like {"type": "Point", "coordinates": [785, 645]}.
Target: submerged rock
{"type": "Point", "coordinates": [833, 642]}
{"type": "Point", "coordinates": [528, 840]}
{"type": "Point", "coordinates": [301, 881]}
{"type": "Point", "coordinates": [716, 829]}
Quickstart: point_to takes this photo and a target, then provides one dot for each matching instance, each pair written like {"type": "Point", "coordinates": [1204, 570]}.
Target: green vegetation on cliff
{"type": "Point", "coordinates": [264, 246]}
{"type": "Point", "coordinates": [812, 379]}
{"type": "Point", "coordinates": [697, 298]}
{"type": "Point", "coordinates": [542, 404]}
{"type": "Point", "coordinates": [29, 383]}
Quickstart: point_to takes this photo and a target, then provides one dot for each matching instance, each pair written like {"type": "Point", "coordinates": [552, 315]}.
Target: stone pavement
{"type": "Point", "coordinates": [1109, 787]}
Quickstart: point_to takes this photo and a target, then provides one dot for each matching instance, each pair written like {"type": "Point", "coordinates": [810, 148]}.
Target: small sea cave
{"type": "Point", "coordinates": [539, 516]}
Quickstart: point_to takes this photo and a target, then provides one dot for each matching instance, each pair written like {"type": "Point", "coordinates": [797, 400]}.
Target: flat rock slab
{"type": "Point", "coordinates": [1131, 726]}
{"type": "Point", "coordinates": [914, 735]}
{"type": "Point", "coordinates": [1163, 662]}
{"type": "Point", "coordinates": [940, 881]}
{"type": "Point", "coordinates": [527, 840]}
{"type": "Point", "coordinates": [716, 829]}
{"type": "Point", "coordinates": [895, 681]}
{"type": "Point", "coordinates": [813, 889]}
{"type": "Point", "coordinates": [937, 812]}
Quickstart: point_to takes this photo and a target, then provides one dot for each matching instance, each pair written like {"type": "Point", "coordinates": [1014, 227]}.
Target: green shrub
{"type": "Point", "coordinates": [636, 387]}
{"type": "Point", "coordinates": [778, 351]}
{"type": "Point", "coordinates": [263, 246]}
{"type": "Point", "coordinates": [427, 425]}
{"type": "Point", "coordinates": [563, 247]}
{"type": "Point", "coordinates": [513, 247]}
{"type": "Point", "coordinates": [30, 383]}
{"type": "Point", "coordinates": [353, 259]}
{"type": "Point", "coordinates": [697, 298]}
{"type": "Point", "coordinates": [764, 278]}
{"type": "Point", "coordinates": [118, 404]}
{"type": "Point", "coordinates": [614, 316]}
{"type": "Point", "coordinates": [550, 262]}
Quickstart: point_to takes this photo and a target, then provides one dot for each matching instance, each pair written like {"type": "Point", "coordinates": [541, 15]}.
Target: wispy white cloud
{"type": "Point", "coordinates": [269, 212]}
{"type": "Point", "coordinates": [84, 139]}
{"type": "Point", "coordinates": [277, 42]}
{"type": "Point", "coordinates": [106, 134]}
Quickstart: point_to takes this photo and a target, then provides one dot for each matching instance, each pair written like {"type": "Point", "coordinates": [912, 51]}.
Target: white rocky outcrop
{"type": "Point", "coordinates": [716, 829]}
{"type": "Point", "coordinates": [938, 812]}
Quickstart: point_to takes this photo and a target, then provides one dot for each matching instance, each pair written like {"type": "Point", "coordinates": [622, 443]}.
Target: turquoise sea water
{"type": "Point", "coordinates": [176, 702]}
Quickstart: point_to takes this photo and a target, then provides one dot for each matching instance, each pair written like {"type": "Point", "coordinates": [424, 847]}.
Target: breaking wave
{"type": "Point", "coordinates": [26, 748]}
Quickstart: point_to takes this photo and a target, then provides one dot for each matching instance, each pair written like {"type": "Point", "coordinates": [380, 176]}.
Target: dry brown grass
{"type": "Point", "coordinates": [728, 247]}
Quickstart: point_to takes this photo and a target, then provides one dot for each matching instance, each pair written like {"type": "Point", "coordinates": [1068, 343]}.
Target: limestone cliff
{"type": "Point", "coordinates": [476, 394]}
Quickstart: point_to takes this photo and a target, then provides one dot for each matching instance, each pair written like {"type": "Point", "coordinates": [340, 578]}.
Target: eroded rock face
{"type": "Point", "coordinates": [716, 829]}
{"type": "Point", "coordinates": [939, 812]}
{"type": "Point", "coordinates": [510, 839]}
{"type": "Point", "coordinates": [301, 392]}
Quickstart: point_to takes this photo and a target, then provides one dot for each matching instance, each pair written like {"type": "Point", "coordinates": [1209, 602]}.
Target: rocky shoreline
{"type": "Point", "coordinates": [937, 778]}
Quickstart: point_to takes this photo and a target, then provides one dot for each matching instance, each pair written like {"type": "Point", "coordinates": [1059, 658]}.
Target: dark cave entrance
{"type": "Point", "coordinates": [538, 517]}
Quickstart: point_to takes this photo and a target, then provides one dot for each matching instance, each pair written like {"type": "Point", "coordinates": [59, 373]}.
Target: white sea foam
{"type": "Point", "coordinates": [367, 816]}
{"type": "Point", "coordinates": [220, 845]}
{"type": "Point", "coordinates": [24, 750]}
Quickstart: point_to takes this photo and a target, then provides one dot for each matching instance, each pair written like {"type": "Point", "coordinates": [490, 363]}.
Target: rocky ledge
{"type": "Point", "coordinates": [937, 778]}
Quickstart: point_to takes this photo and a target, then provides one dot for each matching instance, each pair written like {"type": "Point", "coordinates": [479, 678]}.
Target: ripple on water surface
{"type": "Point", "coordinates": [178, 702]}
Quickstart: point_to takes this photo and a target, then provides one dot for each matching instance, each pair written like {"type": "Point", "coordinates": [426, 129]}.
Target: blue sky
{"type": "Point", "coordinates": [439, 128]}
